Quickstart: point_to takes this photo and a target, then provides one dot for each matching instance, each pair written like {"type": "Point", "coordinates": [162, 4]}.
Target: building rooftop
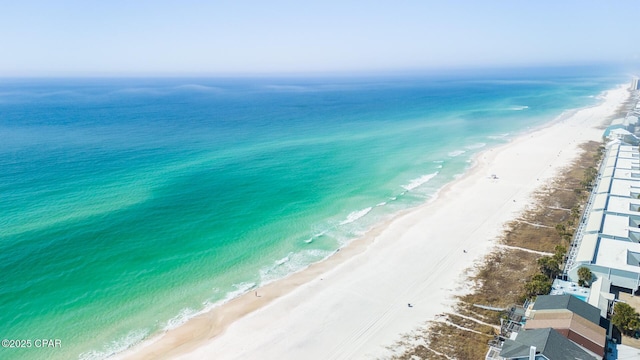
{"type": "Point", "coordinates": [608, 171]}
{"type": "Point", "coordinates": [562, 287]}
{"type": "Point", "coordinates": [565, 319]}
{"type": "Point", "coordinates": [587, 249]}
{"type": "Point", "coordinates": [548, 342]}
{"type": "Point", "coordinates": [616, 225]}
{"type": "Point", "coordinates": [623, 187]}
{"type": "Point", "coordinates": [594, 222]}
{"type": "Point", "coordinates": [609, 233]}
{"type": "Point", "coordinates": [568, 302]}
{"type": "Point", "coordinates": [618, 121]}
{"type": "Point", "coordinates": [626, 174]}
{"type": "Point", "coordinates": [610, 160]}
{"type": "Point", "coordinates": [628, 154]}
{"type": "Point", "coordinates": [600, 296]}
{"type": "Point", "coordinates": [619, 254]}
{"type": "Point", "coordinates": [600, 202]}
{"type": "Point", "coordinates": [623, 205]}
{"type": "Point", "coordinates": [604, 184]}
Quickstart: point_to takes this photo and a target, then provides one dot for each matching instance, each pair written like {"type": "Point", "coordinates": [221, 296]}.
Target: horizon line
{"type": "Point", "coordinates": [444, 70]}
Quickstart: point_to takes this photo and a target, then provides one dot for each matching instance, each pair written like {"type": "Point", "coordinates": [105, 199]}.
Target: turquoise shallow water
{"type": "Point", "coordinates": [129, 205]}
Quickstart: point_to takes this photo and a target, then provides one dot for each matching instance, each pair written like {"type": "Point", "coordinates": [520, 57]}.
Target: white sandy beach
{"type": "Point", "coordinates": [354, 304]}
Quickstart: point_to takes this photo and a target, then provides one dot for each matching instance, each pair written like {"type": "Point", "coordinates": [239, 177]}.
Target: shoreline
{"type": "Point", "coordinates": [360, 293]}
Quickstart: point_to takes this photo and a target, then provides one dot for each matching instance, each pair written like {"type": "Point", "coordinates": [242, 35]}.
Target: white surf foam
{"type": "Point", "coordinates": [519, 107]}
{"type": "Point", "coordinates": [294, 262]}
{"type": "Point", "coordinates": [475, 146]}
{"type": "Point", "coordinates": [241, 288]}
{"type": "Point", "coordinates": [381, 204]}
{"type": "Point", "coordinates": [456, 153]}
{"type": "Point", "coordinates": [188, 313]}
{"type": "Point", "coordinates": [498, 137]}
{"type": "Point", "coordinates": [310, 240]}
{"type": "Point", "coordinates": [183, 316]}
{"type": "Point", "coordinates": [282, 261]}
{"type": "Point", "coordinates": [419, 181]}
{"type": "Point", "coordinates": [356, 215]}
{"type": "Point", "coordinates": [117, 346]}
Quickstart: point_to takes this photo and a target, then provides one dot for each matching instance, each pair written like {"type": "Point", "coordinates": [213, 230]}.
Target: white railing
{"type": "Point", "coordinates": [579, 234]}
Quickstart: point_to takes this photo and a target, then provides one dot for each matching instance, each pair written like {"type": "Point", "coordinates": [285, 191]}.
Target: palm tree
{"type": "Point", "coordinates": [584, 276]}
{"type": "Point", "coordinates": [625, 318]}
{"type": "Point", "coordinates": [538, 285]}
{"type": "Point", "coordinates": [549, 266]}
{"type": "Point", "coordinates": [560, 252]}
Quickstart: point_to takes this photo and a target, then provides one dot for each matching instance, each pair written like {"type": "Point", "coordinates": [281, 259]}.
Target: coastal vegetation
{"type": "Point", "coordinates": [549, 266]}
{"type": "Point", "coordinates": [626, 319]}
{"type": "Point", "coordinates": [531, 253]}
{"type": "Point", "coordinates": [584, 276]}
{"type": "Point", "coordinates": [538, 285]}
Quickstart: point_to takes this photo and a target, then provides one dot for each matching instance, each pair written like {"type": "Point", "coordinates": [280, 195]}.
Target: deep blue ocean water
{"type": "Point", "coordinates": [129, 205]}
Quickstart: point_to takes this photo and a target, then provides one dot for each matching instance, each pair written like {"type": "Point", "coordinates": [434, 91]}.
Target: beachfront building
{"type": "Point", "coordinates": [600, 296]}
{"type": "Point", "coordinates": [551, 324]}
{"type": "Point", "coordinates": [608, 238]}
{"type": "Point", "coordinates": [625, 136]}
{"type": "Point", "coordinates": [624, 129]}
{"type": "Point", "coordinates": [539, 344]}
{"type": "Point", "coordinates": [571, 317]}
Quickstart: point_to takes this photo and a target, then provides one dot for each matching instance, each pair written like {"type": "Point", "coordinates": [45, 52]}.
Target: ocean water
{"type": "Point", "coordinates": [128, 206]}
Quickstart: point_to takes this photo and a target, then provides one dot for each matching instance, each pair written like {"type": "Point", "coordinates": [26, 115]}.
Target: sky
{"type": "Point", "coordinates": [189, 37]}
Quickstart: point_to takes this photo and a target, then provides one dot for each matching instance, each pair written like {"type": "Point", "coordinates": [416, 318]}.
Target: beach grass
{"type": "Point", "coordinates": [499, 281]}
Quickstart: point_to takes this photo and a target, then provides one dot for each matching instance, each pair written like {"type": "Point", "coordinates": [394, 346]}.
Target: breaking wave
{"type": "Point", "coordinates": [419, 181]}
{"type": "Point", "coordinates": [356, 215]}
